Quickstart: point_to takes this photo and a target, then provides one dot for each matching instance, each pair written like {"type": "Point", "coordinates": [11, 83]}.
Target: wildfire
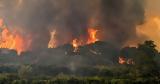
{"type": "Point", "coordinates": [123, 60]}
{"type": "Point", "coordinates": [10, 40]}
{"type": "Point", "coordinates": [92, 38]}
{"type": "Point", "coordinates": [76, 43]}
{"type": "Point", "coordinates": [92, 35]}
{"type": "Point", "coordinates": [52, 42]}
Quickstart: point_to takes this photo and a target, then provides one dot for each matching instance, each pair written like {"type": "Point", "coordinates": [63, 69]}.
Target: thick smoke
{"type": "Point", "coordinates": [151, 28]}
{"type": "Point", "coordinates": [120, 18]}
{"type": "Point", "coordinates": [116, 19]}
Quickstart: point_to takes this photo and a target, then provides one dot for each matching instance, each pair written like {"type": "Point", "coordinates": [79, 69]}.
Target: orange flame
{"type": "Point", "coordinates": [92, 36]}
{"type": "Point", "coordinates": [10, 40]}
{"type": "Point", "coordinates": [76, 43]}
{"type": "Point", "coordinates": [52, 42]}
{"type": "Point", "coordinates": [122, 60]}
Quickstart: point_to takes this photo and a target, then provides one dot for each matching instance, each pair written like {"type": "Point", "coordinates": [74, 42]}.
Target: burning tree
{"type": "Point", "coordinates": [11, 39]}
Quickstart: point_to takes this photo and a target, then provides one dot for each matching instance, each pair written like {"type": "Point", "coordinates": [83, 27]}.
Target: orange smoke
{"type": "Point", "coordinates": [52, 43]}
{"type": "Point", "coordinates": [11, 40]}
{"type": "Point", "coordinates": [151, 30]}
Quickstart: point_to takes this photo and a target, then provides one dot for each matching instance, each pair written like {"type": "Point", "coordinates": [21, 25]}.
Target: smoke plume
{"type": "Point", "coordinates": [115, 19]}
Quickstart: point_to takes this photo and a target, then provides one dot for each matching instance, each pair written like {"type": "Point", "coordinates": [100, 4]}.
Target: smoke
{"type": "Point", "coordinates": [116, 19]}
{"type": "Point", "coordinates": [120, 19]}
{"type": "Point", "coordinates": [152, 8]}
{"type": "Point", "coordinates": [151, 27]}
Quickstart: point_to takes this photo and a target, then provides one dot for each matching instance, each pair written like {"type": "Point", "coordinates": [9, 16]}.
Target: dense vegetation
{"type": "Point", "coordinates": [144, 70]}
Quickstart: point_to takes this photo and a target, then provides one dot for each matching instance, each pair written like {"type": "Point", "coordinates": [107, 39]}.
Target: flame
{"type": "Point", "coordinates": [122, 60]}
{"type": "Point", "coordinates": [92, 36]}
{"type": "Point", "coordinates": [10, 40]}
{"type": "Point", "coordinates": [52, 42]}
{"type": "Point", "coordinates": [76, 43]}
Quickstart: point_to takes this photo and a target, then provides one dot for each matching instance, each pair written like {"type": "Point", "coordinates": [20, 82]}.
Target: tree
{"type": "Point", "coordinates": [149, 48]}
{"type": "Point", "coordinates": [144, 60]}
{"type": "Point", "coordinates": [145, 66]}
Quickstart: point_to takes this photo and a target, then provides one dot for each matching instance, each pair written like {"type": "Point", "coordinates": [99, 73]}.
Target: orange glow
{"type": "Point", "coordinates": [19, 44]}
{"type": "Point", "coordinates": [151, 30]}
{"type": "Point", "coordinates": [52, 42]}
{"type": "Point", "coordinates": [92, 36]}
{"type": "Point", "coordinates": [89, 38]}
{"type": "Point", "coordinates": [122, 60]}
{"type": "Point", "coordinates": [130, 61]}
{"type": "Point", "coordinates": [76, 43]}
{"type": "Point", "coordinates": [10, 40]}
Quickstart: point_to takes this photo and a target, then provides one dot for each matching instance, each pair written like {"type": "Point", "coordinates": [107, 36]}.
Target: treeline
{"type": "Point", "coordinates": [144, 69]}
{"type": "Point", "coordinates": [63, 79]}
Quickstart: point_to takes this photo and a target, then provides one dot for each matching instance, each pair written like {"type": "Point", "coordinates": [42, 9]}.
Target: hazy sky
{"type": "Point", "coordinates": [153, 7]}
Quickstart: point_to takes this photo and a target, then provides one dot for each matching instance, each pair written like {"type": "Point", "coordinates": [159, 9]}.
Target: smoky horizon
{"type": "Point", "coordinates": [115, 21]}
